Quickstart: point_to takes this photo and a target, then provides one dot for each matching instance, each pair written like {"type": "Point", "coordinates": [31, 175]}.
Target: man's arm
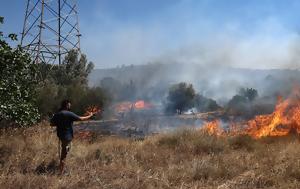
{"type": "Point", "coordinates": [83, 118]}
{"type": "Point", "coordinates": [75, 117]}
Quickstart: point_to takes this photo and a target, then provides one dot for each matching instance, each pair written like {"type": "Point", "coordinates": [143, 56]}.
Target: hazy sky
{"type": "Point", "coordinates": [241, 33]}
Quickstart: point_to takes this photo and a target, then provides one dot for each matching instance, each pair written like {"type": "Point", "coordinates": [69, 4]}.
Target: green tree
{"type": "Point", "coordinates": [74, 70]}
{"type": "Point", "coordinates": [248, 93]}
{"type": "Point", "coordinates": [47, 93]}
{"type": "Point", "coordinates": [68, 81]}
{"type": "Point", "coordinates": [96, 96]}
{"type": "Point", "coordinates": [238, 106]}
{"type": "Point", "coordinates": [204, 104]}
{"type": "Point", "coordinates": [17, 84]}
{"type": "Point", "coordinates": [237, 100]}
{"type": "Point", "coordinates": [180, 97]}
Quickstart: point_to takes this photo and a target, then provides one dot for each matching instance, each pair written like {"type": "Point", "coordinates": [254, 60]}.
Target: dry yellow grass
{"type": "Point", "coordinates": [185, 159]}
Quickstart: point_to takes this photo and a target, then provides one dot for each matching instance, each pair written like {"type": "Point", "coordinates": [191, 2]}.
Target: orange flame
{"type": "Point", "coordinates": [213, 128]}
{"type": "Point", "coordinates": [142, 105]}
{"type": "Point", "coordinates": [284, 120]}
{"type": "Point", "coordinates": [127, 106]}
{"type": "Point", "coordinates": [92, 109]}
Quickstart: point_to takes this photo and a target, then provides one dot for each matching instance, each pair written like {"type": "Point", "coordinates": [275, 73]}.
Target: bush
{"type": "Point", "coordinates": [204, 104]}
{"type": "Point", "coordinates": [243, 103]}
{"type": "Point", "coordinates": [17, 85]}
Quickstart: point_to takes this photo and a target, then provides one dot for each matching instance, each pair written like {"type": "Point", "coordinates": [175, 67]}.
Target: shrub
{"type": "Point", "coordinates": [204, 104]}
{"type": "Point", "coordinates": [17, 86]}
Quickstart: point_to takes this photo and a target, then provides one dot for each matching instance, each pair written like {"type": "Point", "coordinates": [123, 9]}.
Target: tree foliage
{"type": "Point", "coordinates": [74, 69]}
{"type": "Point", "coordinates": [17, 85]}
{"type": "Point", "coordinates": [248, 93]}
{"type": "Point", "coordinates": [68, 81]}
{"type": "Point", "coordinates": [242, 104]}
{"type": "Point", "coordinates": [180, 97]}
{"type": "Point", "coordinates": [238, 105]}
{"type": "Point", "coordinates": [204, 104]}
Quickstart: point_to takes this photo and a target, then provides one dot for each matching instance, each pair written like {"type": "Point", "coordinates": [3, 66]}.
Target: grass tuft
{"type": "Point", "coordinates": [242, 142]}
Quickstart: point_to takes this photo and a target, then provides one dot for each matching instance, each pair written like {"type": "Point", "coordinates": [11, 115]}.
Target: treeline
{"type": "Point", "coordinates": [246, 103]}
{"type": "Point", "coordinates": [68, 81]}
{"type": "Point", "coordinates": [183, 96]}
{"type": "Point", "coordinates": [30, 92]}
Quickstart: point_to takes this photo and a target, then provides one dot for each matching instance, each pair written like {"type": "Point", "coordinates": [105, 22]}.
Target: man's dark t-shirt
{"type": "Point", "coordinates": [63, 120]}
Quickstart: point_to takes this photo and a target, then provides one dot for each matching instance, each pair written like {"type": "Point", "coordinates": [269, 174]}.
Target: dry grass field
{"type": "Point", "coordinates": [184, 159]}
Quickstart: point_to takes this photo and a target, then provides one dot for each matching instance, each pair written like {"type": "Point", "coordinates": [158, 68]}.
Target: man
{"type": "Point", "coordinates": [63, 120]}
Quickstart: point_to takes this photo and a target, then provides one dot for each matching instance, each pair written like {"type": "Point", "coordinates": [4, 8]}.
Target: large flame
{"type": "Point", "coordinates": [284, 120]}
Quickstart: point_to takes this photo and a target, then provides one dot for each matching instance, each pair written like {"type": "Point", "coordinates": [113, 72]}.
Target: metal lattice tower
{"type": "Point", "coordinates": [50, 30]}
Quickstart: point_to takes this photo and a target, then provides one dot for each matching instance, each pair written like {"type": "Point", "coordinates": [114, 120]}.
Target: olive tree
{"type": "Point", "coordinates": [180, 97]}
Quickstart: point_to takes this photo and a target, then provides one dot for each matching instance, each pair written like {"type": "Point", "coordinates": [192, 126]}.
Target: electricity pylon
{"type": "Point", "coordinates": [50, 30]}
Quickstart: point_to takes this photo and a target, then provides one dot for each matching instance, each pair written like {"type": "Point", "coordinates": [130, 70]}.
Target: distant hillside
{"type": "Point", "coordinates": [215, 81]}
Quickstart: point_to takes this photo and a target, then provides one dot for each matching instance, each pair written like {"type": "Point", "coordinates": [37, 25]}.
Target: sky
{"type": "Point", "coordinates": [257, 34]}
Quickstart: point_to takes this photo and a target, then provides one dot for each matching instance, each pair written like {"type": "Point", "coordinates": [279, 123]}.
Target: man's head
{"type": "Point", "coordinates": [65, 105]}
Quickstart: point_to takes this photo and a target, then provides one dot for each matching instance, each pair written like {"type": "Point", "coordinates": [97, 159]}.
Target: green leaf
{"type": "Point", "coordinates": [13, 36]}
{"type": "Point", "coordinates": [17, 86]}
